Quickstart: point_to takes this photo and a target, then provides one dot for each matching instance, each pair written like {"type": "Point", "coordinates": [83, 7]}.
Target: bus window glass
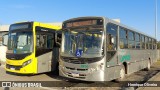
{"type": "Point", "coordinates": [44, 41]}
{"type": "Point", "coordinates": [123, 39]}
{"type": "Point", "coordinates": [130, 36]}
{"type": "Point", "coordinates": [154, 44]}
{"type": "Point", "coordinates": [87, 41]}
{"type": "Point", "coordinates": [111, 37]}
{"type": "Point", "coordinates": [137, 37]}
{"type": "Point", "coordinates": [131, 40]}
{"type": "Point", "coordinates": [150, 43]}
{"type": "Point", "coordinates": [20, 42]}
{"type": "Point", "coordinates": [143, 41]}
{"type": "Point", "coordinates": [123, 34]}
{"type": "Point", "coordinates": [137, 40]}
{"type": "Point", "coordinates": [146, 41]}
{"type": "Point", "coordinates": [123, 43]}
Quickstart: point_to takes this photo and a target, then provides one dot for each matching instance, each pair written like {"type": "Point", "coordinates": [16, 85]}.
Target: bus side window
{"type": "Point", "coordinates": [111, 42]}
{"type": "Point", "coordinates": [123, 38]}
{"type": "Point", "coordinates": [154, 44]}
{"type": "Point", "coordinates": [146, 41]}
{"type": "Point", "coordinates": [111, 36]}
{"type": "Point", "coordinates": [131, 39]}
{"type": "Point", "coordinates": [44, 43]}
{"type": "Point", "coordinates": [143, 41]}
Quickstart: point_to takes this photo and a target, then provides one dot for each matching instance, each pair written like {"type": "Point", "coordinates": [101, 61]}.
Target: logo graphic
{"type": "Point", "coordinates": [6, 84]}
{"type": "Point", "coordinates": [124, 56]}
{"type": "Point", "coordinates": [14, 51]}
{"type": "Point", "coordinates": [79, 53]}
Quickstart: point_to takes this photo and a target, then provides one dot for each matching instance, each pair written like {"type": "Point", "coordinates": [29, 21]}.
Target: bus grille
{"type": "Point", "coordinates": [12, 66]}
{"type": "Point", "coordinates": [78, 69]}
{"type": "Point", "coordinates": [74, 61]}
{"type": "Point", "coordinates": [81, 60]}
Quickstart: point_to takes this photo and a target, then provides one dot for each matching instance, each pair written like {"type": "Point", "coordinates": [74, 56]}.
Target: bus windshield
{"type": "Point", "coordinates": [20, 42]}
{"type": "Point", "coordinates": [85, 43]}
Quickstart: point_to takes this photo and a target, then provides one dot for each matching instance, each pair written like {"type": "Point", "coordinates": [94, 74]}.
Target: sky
{"type": "Point", "coordinates": [138, 14]}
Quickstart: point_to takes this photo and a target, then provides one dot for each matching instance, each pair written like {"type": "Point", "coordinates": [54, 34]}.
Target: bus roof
{"type": "Point", "coordinates": [128, 27]}
{"type": "Point", "coordinates": [110, 21]}
{"type": "Point", "coordinates": [57, 27]}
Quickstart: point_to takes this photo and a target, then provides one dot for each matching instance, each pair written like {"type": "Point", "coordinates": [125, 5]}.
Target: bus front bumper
{"type": "Point", "coordinates": [91, 73]}
{"type": "Point", "coordinates": [19, 69]}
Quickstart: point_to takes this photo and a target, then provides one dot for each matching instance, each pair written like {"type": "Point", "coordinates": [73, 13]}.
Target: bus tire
{"type": "Point", "coordinates": [148, 65]}
{"type": "Point", "coordinates": [122, 74]}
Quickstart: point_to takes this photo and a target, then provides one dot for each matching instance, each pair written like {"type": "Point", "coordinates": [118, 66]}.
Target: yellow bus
{"type": "Point", "coordinates": [32, 48]}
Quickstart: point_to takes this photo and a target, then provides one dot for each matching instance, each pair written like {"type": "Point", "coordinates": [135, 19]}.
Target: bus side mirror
{"type": "Point", "coordinates": [5, 39]}
{"type": "Point", "coordinates": [58, 39]}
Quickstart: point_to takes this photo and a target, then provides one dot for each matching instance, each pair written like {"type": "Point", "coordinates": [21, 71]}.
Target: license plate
{"type": "Point", "coordinates": [12, 68]}
{"type": "Point", "coordinates": [75, 74]}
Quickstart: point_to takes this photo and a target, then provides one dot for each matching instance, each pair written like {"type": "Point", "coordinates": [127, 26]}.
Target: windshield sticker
{"type": "Point", "coordinates": [78, 53]}
{"type": "Point", "coordinates": [14, 51]}
{"type": "Point", "coordinates": [124, 56]}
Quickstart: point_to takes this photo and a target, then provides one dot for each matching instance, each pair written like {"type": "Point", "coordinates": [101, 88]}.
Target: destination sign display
{"type": "Point", "coordinates": [83, 23]}
{"type": "Point", "coordinates": [20, 26]}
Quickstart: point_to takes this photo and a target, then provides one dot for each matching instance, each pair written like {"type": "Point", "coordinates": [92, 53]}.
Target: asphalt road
{"type": "Point", "coordinates": [142, 76]}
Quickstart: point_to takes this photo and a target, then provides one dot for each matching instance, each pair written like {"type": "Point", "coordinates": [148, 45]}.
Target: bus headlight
{"type": "Point", "coordinates": [26, 63]}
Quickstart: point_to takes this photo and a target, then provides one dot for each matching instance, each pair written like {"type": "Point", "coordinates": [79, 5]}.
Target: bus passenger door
{"type": "Point", "coordinates": [44, 51]}
{"type": "Point", "coordinates": [111, 45]}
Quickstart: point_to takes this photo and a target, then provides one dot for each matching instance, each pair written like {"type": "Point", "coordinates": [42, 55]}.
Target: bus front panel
{"type": "Point", "coordinates": [27, 65]}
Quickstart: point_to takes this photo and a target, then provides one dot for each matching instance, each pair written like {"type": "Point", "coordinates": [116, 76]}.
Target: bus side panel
{"type": "Point", "coordinates": [134, 67]}
{"type": "Point", "coordinates": [112, 69]}
{"type": "Point", "coordinates": [112, 73]}
{"type": "Point", "coordinates": [43, 62]}
{"type": "Point", "coordinates": [138, 59]}
{"type": "Point", "coordinates": [154, 57]}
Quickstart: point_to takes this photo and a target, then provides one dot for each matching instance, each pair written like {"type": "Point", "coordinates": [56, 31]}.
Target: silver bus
{"type": "Point", "coordinates": [100, 49]}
